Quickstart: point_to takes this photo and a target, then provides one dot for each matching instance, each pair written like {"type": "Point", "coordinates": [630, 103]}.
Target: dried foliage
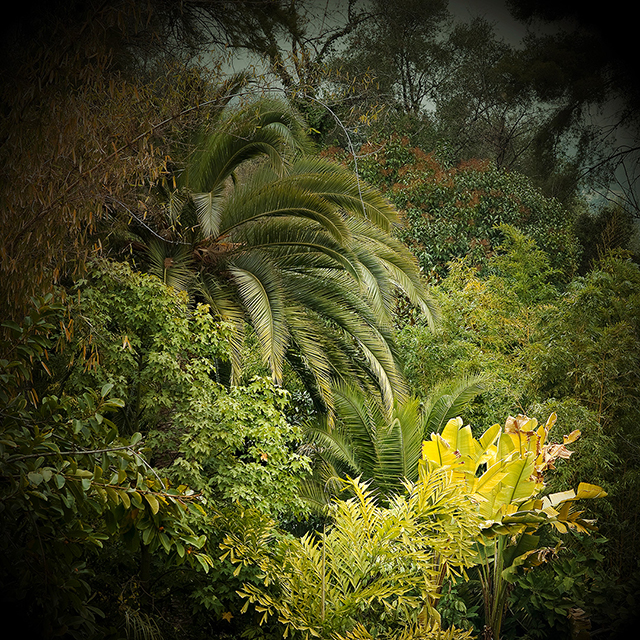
{"type": "Point", "coordinates": [90, 101]}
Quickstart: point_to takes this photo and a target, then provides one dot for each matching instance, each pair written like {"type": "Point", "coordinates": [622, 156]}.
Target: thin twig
{"type": "Point", "coordinates": [72, 453]}
{"type": "Point", "coordinates": [351, 147]}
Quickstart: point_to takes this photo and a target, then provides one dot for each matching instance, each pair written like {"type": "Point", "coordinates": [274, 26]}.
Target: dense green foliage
{"type": "Point", "coordinates": [161, 356]}
{"type": "Point", "coordinates": [70, 483]}
{"type": "Point", "coordinates": [379, 567]}
{"type": "Point", "coordinates": [597, 364]}
{"type": "Point", "coordinates": [74, 479]}
{"type": "Point", "coordinates": [453, 212]}
{"type": "Point", "coordinates": [544, 350]}
{"type": "Point", "coordinates": [218, 301]}
{"type": "Point", "coordinates": [487, 324]}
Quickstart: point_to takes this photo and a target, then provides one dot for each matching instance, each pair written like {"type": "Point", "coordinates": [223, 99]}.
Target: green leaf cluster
{"type": "Point", "coordinates": [69, 482]}
{"type": "Point", "coordinates": [455, 211]}
{"type": "Point", "coordinates": [378, 566]}
{"type": "Point", "coordinates": [163, 358]}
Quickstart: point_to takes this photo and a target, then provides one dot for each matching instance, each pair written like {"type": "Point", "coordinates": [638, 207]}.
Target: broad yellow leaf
{"type": "Point", "coordinates": [586, 490]}
{"type": "Point", "coordinates": [572, 437]}
{"type": "Point", "coordinates": [439, 451]}
{"type": "Point", "coordinates": [450, 432]}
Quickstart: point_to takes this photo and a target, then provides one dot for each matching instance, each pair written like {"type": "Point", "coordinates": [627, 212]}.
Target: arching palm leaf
{"type": "Point", "coordinates": [268, 128]}
{"type": "Point", "coordinates": [367, 443]}
{"type": "Point", "coordinates": [449, 399]}
{"type": "Point", "coordinates": [344, 190]}
{"type": "Point", "coordinates": [172, 263]}
{"type": "Point", "coordinates": [260, 292]}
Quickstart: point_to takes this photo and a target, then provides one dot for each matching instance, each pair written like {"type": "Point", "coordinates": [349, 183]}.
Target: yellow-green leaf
{"type": "Point", "coordinates": [586, 490]}
{"type": "Point", "coordinates": [153, 503]}
{"type": "Point", "coordinates": [439, 451]}
{"type": "Point", "coordinates": [489, 436]}
{"type": "Point", "coordinates": [450, 432]}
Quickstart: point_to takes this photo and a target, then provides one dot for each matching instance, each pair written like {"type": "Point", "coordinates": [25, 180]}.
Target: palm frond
{"type": "Point", "coordinates": [383, 449]}
{"type": "Point", "coordinates": [410, 423]}
{"type": "Point", "coordinates": [273, 199]}
{"type": "Point", "coordinates": [260, 291]}
{"type": "Point", "coordinates": [309, 338]}
{"type": "Point", "coordinates": [316, 494]}
{"type": "Point", "coordinates": [334, 448]}
{"type": "Point", "coordinates": [174, 204]}
{"type": "Point", "coordinates": [299, 245]}
{"type": "Point", "coordinates": [396, 264]}
{"type": "Point", "coordinates": [391, 468]}
{"type": "Point", "coordinates": [328, 295]}
{"type": "Point", "coordinates": [267, 128]}
{"type": "Point", "coordinates": [359, 420]}
{"type": "Point", "coordinates": [343, 189]}
{"type": "Point", "coordinates": [448, 400]}
{"type": "Point", "coordinates": [375, 284]}
{"type": "Point", "coordinates": [224, 304]}
{"type": "Point", "coordinates": [171, 262]}
{"type": "Point", "coordinates": [208, 207]}
{"type": "Point", "coordinates": [381, 363]}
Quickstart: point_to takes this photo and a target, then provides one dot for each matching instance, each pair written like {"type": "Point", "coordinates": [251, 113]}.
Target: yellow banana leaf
{"type": "Point", "coordinates": [439, 451]}
{"type": "Point", "coordinates": [517, 485]}
{"type": "Point", "coordinates": [505, 446]}
{"type": "Point", "coordinates": [586, 490]}
{"type": "Point", "coordinates": [490, 479]}
{"type": "Point", "coordinates": [490, 436]}
{"type": "Point", "coordinates": [450, 432]}
{"type": "Point", "coordinates": [516, 458]}
{"type": "Point", "coordinates": [572, 437]}
{"type": "Point", "coordinates": [555, 499]}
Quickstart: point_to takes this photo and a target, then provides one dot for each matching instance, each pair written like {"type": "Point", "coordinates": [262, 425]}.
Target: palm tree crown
{"type": "Point", "coordinates": [292, 244]}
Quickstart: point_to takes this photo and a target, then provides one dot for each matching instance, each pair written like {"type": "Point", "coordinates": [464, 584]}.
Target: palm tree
{"type": "Point", "coordinates": [293, 245]}
{"type": "Point", "coordinates": [380, 449]}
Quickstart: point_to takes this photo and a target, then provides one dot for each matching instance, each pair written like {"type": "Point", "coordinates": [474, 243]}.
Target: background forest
{"type": "Point", "coordinates": [320, 319]}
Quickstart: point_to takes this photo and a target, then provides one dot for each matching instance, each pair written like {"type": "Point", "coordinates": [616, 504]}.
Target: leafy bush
{"type": "Point", "coordinates": [143, 479]}
{"type": "Point", "coordinates": [162, 356]}
{"type": "Point", "coordinates": [375, 570]}
{"type": "Point", "coordinates": [456, 212]}
{"type": "Point", "coordinates": [69, 483]}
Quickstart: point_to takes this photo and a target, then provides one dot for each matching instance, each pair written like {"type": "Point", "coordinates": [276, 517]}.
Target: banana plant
{"type": "Point", "coordinates": [504, 473]}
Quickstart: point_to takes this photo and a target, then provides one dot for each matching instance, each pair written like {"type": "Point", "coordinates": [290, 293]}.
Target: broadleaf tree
{"type": "Point", "coordinates": [70, 483]}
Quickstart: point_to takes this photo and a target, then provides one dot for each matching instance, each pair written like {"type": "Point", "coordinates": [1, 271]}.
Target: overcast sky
{"type": "Point", "coordinates": [494, 11]}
